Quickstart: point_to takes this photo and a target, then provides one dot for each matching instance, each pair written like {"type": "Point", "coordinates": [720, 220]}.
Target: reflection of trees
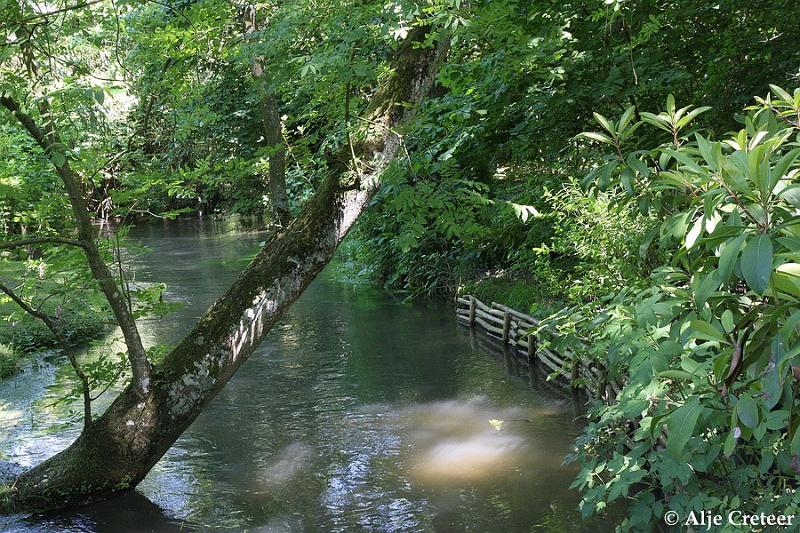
{"type": "Point", "coordinates": [398, 352]}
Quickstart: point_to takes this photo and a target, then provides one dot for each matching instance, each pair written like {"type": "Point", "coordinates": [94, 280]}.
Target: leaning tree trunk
{"type": "Point", "coordinates": [117, 450]}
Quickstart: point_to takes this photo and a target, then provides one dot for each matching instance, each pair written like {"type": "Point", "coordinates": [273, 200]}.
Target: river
{"type": "Point", "coordinates": [359, 412]}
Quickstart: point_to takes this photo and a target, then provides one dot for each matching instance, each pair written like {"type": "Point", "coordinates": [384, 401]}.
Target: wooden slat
{"type": "Point", "coordinates": [548, 363]}
{"type": "Point", "coordinates": [553, 356]}
{"type": "Point", "coordinates": [514, 312]}
{"type": "Point", "coordinates": [482, 305]}
{"type": "Point", "coordinates": [524, 325]}
{"type": "Point", "coordinates": [488, 327]}
{"type": "Point", "coordinates": [488, 317]}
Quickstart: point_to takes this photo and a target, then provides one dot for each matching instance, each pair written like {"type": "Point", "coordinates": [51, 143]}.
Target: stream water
{"type": "Point", "coordinates": [359, 412]}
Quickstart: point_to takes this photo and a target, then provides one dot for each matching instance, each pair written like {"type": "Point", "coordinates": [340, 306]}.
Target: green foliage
{"type": "Point", "coordinates": [5, 498]}
{"type": "Point", "coordinates": [523, 294]}
{"type": "Point", "coordinates": [9, 361]}
{"type": "Point", "coordinates": [55, 280]}
{"type": "Point", "coordinates": [28, 335]}
{"type": "Point", "coordinates": [707, 417]}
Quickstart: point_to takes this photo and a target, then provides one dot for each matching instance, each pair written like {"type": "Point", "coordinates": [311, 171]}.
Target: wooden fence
{"type": "Point", "coordinates": [512, 329]}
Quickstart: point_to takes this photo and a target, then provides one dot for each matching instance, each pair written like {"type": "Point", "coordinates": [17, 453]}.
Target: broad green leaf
{"type": "Point", "coordinates": [787, 283]}
{"type": "Point", "coordinates": [771, 387]}
{"type": "Point", "coordinates": [695, 232]}
{"type": "Point", "coordinates": [691, 115]}
{"type": "Point", "coordinates": [671, 103]}
{"type": "Point", "coordinates": [727, 258]}
{"type": "Point", "coordinates": [757, 263]}
{"type": "Point", "coordinates": [747, 411]}
{"type": "Point", "coordinates": [603, 121]}
{"type": "Point", "coordinates": [792, 195]}
{"type": "Point", "coordinates": [657, 121]}
{"type": "Point", "coordinates": [705, 288]}
{"type": "Point", "coordinates": [687, 161]}
{"type": "Point", "coordinates": [780, 93]}
{"type": "Point", "coordinates": [626, 118]}
{"type": "Point", "coordinates": [727, 321]}
{"type": "Point", "coordinates": [596, 137]}
{"type": "Point", "coordinates": [790, 326]}
{"type": "Point", "coordinates": [676, 374]}
{"type": "Point", "coordinates": [730, 443]}
{"type": "Point", "coordinates": [794, 447]}
{"type": "Point", "coordinates": [706, 151]}
{"type": "Point", "coordinates": [703, 330]}
{"type": "Point", "coordinates": [784, 163]}
{"type": "Point", "coordinates": [681, 424]}
{"type": "Point", "coordinates": [790, 269]}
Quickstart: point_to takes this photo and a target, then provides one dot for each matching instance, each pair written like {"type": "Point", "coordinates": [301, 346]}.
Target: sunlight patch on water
{"type": "Point", "coordinates": [9, 416]}
{"type": "Point", "coordinates": [472, 458]}
{"type": "Point", "coordinates": [465, 441]}
{"type": "Point", "coordinates": [286, 465]}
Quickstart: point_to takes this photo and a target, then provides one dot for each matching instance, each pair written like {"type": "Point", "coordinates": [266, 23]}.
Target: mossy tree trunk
{"type": "Point", "coordinates": [118, 449]}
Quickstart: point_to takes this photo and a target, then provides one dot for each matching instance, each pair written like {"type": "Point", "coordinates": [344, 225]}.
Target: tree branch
{"type": "Point", "coordinates": [57, 11]}
{"type": "Point", "coordinates": [53, 327]}
{"type": "Point", "coordinates": [49, 140]}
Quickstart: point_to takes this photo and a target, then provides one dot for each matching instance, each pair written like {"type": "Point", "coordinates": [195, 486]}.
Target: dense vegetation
{"type": "Point", "coordinates": [662, 243]}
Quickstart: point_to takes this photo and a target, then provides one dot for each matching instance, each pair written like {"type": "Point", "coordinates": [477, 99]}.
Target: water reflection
{"type": "Point", "coordinates": [358, 412]}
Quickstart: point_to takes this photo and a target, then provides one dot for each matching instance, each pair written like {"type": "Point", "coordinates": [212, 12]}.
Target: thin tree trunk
{"type": "Point", "coordinates": [273, 135]}
{"type": "Point", "coordinates": [271, 121]}
{"type": "Point", "coordinates": [120, 447]}
{"type": "Point", "coordinates": [136, 353]}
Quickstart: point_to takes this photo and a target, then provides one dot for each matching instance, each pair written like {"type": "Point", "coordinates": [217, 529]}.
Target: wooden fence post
{"type": "Point", "coordinates": [602, 393]}
{"type": "Point", "coordinates": [472, 310]}
{"type": "Point", "coordinates": [506, 326]}
{"type": "Point", "coordinates": [532, 341]}
{"type": "Point", "coordinates": [576, 369]}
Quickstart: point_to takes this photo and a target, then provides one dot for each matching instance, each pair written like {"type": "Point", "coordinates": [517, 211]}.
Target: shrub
{"type": "Point", "coordinates": [708, 416]}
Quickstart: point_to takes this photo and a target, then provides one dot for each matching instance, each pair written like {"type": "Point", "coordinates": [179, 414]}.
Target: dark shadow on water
{"type": "Point", "coordinates": [128, 513]}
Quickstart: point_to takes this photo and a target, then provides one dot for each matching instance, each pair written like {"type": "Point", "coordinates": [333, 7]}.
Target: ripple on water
{"type": "Point", "coordinates": [359, 413]}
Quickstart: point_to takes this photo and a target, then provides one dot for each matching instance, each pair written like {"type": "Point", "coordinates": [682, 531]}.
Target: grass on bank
{"type": "Point", "coordinates": [524, 295]}
{"type": "Point", "coordinates": [22, 335]}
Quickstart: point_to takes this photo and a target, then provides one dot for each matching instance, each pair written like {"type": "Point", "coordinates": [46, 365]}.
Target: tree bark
{"type": "Point", "coordinates": [271, 122]}
{"type": "Point", "coordinates": [273, 136]}
{"type": "Point", "coordinates": [121, 446]}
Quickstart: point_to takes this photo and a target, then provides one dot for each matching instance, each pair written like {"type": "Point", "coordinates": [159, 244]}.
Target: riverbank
{"type": "Point", "coordinates": [24, 336]}
{"type": "Point", "coordinates": [10, 362]}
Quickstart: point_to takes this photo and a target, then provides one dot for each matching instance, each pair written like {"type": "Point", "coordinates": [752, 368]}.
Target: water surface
{"type": "Point", "coordinates": [359, 412]}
